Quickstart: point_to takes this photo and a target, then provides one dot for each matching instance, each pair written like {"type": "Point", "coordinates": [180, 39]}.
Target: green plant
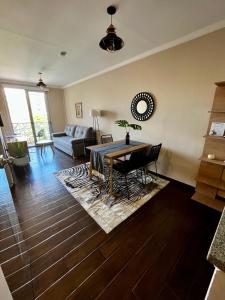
{"type": "Point", "coordinates": [127, 126]}
{"type": "Point", "coordinates": [41, 134]}
{"type": "Point", "coordinates": [17, 149]}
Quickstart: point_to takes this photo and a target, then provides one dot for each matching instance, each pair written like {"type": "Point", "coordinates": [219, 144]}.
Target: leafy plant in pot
{"type": "Point", "coordinates": [127, 126]}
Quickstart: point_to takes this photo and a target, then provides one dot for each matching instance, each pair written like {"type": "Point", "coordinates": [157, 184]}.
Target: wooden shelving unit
{"type": "Point", "coordinates": [210, 187]}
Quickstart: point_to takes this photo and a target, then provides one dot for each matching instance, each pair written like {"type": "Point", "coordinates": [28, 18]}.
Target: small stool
{"type": "Point", "coordinates": [43, 144]}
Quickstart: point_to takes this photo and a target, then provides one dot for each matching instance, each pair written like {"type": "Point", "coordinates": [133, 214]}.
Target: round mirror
{"type": "Point", "coordinates": [142, 106]}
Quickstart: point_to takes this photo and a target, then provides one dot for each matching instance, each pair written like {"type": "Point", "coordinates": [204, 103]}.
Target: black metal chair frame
{"type": "Point", "coordinates": [137, 167]}
{"type": "Point", "coordinates": [109, 136]}
{"type": "Point", "coordinates": [144, 163]}
{"type": "Point", "coordinates": [152, 158]}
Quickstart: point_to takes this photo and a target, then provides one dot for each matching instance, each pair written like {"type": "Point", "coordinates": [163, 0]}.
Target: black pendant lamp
{"type": "Point", "coordinates": [111, 42]}
{"type": "Point", "coordinates": [40, 83]}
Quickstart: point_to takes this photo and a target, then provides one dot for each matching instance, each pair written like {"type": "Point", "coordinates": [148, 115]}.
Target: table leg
{"type": "Point", "coordinates": [111, 177]}
{"type": "Point", "coordinates": [42, 149]}
{"type": "Point", "coordinates": [90, 168]}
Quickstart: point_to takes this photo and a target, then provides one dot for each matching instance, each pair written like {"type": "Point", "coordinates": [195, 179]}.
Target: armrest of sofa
{"type": "Point", "coordinates": [78, 147]}
{"type": "Point", "coordinates": [58, 134]}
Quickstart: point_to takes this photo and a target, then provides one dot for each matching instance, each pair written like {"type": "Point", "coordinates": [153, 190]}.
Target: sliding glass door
{"type": "Point", "coordinates": [39, 115]}
{"type": "Point", "coordinates": [28, 113]}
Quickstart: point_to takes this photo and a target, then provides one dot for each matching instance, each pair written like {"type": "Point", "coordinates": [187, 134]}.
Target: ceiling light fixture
{"type": "Point", "coordinates": [111, 42]}
{"type": "Point", "coordinates": [40, 83]}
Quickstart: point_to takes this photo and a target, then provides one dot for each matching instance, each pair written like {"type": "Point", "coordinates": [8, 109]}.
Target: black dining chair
{"type": "Point", "coordinates": [106, 138]}
{"type": "Point", "coordinates": [152, 157]}
{"type": "Point", "coordinates": [136, 161]}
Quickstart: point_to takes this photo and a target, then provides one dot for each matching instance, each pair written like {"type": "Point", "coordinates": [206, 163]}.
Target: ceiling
{"type": "Point", "coordinates": [33, 33]}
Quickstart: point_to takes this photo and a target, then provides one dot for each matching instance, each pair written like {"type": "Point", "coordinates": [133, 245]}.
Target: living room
{"type": "Point", "coordinates": [88, 218]}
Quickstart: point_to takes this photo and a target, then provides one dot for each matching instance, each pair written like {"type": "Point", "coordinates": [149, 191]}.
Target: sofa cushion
{"type": "Point", "coordinates": [70, 129]}
{"type": "Point", "coordinates": [64, 141]}
{"type": "Point", "coordinates": [82, 132]}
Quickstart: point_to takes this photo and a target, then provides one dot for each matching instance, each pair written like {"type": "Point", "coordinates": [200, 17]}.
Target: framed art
{"type": "Point", "coordinates": [78, 110]}
{"type": "Point", "coordinates": [217, 129]}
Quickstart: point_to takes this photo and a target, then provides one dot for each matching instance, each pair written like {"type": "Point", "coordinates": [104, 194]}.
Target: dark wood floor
{"type": "Point", "coordinates": [52, 249]}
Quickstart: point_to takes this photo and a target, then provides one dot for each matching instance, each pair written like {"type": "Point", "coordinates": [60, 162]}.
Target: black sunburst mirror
{"type": "Point", "coordinates": [142, 106]}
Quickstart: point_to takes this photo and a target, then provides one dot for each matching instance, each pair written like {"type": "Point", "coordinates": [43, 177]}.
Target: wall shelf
{"type": "Point", "coordinates": [208, 201]}
{"type": "Point", "coordinates": [220, 83]}
{"type": "Point", "coordinates": [217, 112]}
{"type": "Point", "coordinates": [214, 182]}
{"type": "Point", "coordinates": [214, 137]}
{"type": "Point", "coordinates": [213, 161]}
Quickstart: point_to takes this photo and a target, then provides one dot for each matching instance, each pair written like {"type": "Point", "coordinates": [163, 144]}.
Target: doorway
{"type": "Point", "coordinates": [28, 113]}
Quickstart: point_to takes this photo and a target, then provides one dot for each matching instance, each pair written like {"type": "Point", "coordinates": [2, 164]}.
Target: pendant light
{"type": "Point", "coordinates": [111, 42]}
{"type": "Point", "coordinates": [40, 83]}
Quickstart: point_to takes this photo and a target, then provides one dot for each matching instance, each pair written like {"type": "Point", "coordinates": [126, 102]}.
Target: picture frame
{"type": "Point", "coordinates": [217, 129]}
{"type": "Point", "coordinates": [78, 110]}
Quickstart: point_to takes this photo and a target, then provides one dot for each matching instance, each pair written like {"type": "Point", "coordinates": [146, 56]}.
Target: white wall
{"type": "Point", "coordinates": [182, 82]}
{"type": "Point", "coordinates": [56, 109]}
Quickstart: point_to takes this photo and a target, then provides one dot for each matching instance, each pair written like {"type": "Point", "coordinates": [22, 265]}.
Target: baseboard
{"type": "Point", "coordinates": [177, 182]}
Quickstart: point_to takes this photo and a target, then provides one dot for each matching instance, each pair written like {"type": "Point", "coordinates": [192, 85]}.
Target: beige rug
{"type": "Point", "coordinates": [93, 195]}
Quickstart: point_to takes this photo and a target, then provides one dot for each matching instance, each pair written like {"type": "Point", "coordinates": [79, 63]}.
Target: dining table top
{"type": "Point", "coordinates": [118, 153]}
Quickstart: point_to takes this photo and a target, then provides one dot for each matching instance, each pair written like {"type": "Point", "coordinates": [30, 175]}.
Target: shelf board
{"type": "Point", "coordinates": [209, 181]}
{"type": "Point", "coordinates": [220, 83]}
{"type": "Point", "coordinates": [210, 202]}
{"type": "Point", "coordinates": [215, 182]}
{"type": "Point", "coordinates": [217, 111]}
{"type": "Point", "coordinates": [213, 161]}
{"type": "Point", "coordinates": [214, 137]}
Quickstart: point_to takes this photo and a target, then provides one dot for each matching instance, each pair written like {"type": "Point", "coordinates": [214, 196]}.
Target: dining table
{"type": "Point", "coordinates": [111, 151]}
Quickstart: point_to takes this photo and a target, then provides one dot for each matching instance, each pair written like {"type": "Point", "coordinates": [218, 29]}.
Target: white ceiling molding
{"type": "Point", "coordinates": [194, 35]}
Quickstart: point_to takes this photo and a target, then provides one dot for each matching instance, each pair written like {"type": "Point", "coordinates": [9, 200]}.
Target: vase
{"type": "Point", "coordinates": [127, 138]}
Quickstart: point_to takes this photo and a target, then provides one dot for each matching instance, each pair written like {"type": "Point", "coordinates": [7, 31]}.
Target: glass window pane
{"type": "Point", "coordinates": [19, 113]}
{"type": "Point", "coordinates": [40, 116]}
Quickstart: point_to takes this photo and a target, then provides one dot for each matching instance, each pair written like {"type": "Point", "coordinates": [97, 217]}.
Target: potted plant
{"type": "Point", "coordinates": [127, 126]}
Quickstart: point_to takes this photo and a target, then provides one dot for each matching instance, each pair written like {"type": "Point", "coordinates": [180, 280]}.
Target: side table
{"type": "Point", "coordinates": [43, 144]}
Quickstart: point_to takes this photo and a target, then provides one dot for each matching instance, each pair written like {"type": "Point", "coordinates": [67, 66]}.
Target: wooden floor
{"type": "Point", "coordinates": [52, 249]}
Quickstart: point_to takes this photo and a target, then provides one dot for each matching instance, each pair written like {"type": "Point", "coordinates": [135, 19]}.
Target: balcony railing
{"type": "Point", "coordinates": [42, 131]}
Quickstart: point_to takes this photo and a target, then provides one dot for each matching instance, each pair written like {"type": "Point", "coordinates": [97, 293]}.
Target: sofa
{"type": "Point", "coordinates": [74, 139]}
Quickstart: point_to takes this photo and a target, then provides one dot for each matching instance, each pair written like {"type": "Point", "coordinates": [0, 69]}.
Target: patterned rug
{"type": "Point", "coordinates": [93, 194]}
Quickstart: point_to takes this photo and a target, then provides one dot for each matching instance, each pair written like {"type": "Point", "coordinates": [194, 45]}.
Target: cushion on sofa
{"type": "Point", "coordinates": [83, 132]}
{"type": "Point", "coordinates": [70, 129]}
{"type": "Point", "coordinates": [65, 141]}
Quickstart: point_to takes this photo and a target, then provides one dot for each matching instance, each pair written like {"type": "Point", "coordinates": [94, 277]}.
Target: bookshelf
{"type": "Point", "coordinates": [210, 181]}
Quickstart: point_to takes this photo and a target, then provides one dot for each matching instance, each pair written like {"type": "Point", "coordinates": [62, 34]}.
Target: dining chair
{"type": "Point", "coordinates": [106, 138]}
{"type": "Point", "coordinates": [136, 161]}
{"type": "Point", "coordinates": [152, 157]}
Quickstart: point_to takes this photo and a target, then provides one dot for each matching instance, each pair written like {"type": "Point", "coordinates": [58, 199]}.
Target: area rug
{"type": "Point", "coordinates": [93, 194]}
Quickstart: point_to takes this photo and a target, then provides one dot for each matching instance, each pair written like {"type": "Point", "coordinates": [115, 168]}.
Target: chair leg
{"type": "Point", "coordinates": [156, 171]}
{"type": "Point", "coordinates": [86, 168]}
{"type": "Point", "coordinates": [128, 193]}
{"type": "Point", "coordinates": [145, 172]}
